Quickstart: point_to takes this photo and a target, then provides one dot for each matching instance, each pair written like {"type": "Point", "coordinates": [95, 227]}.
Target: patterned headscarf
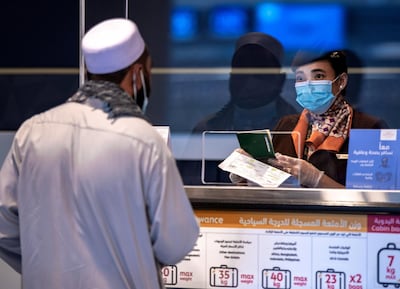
{"type": "Point", "coordinates": [328, 130]}
{"type": "Point", "coordinates": [117, 102]}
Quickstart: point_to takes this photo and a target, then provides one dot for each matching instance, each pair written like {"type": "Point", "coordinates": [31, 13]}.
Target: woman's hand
{"type": "Point", "coordinates": [243, 152]}
{"type": "Point", "coordinates": [306, 173]}
{"type": "Point", "coordinates": [238, 180]}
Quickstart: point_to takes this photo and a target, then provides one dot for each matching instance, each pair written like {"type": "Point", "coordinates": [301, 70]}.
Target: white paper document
{"type": "Point", "coordinates": [253, 170]}
{"type": "Point", "coordinates": [165, 133]}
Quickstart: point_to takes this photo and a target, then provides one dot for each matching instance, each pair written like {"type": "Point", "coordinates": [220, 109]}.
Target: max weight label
{"type": "Point", "coordinates": [223, 276]}
{"type": "Point", "coordinates": [330, 279]}
{"type": "Point", "coordinates": [169, 274]}
{"type": "Point", "coordinates": [389, 266]}
{"type": "Point", "coordinates": [276, 278]}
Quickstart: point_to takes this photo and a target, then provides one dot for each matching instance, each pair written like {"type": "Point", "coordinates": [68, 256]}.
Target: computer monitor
{"type": "Point", "coordinates": [303, 26]}
{"type": "Point", "coordinates": [184, 24]}
{"type": "Point", "coordinates": [228, 21]}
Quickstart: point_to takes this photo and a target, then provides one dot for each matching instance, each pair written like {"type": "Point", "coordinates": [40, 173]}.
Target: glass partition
{"type": "Point", "coordinates": [202, 46]}
{"type": "Point", "coordinates": [192, 44]}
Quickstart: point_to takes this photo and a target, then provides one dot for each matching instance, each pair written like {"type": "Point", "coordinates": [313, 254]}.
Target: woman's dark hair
{"type": "Point", "coordinates": [336, 58]}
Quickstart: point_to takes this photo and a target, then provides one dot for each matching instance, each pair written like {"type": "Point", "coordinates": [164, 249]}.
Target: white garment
{"type": "Point", "coordinates": [95, 202]}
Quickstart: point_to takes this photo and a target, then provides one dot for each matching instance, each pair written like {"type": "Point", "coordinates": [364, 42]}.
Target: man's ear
{"type": "Point", "coordinates": [127, 83]}
{"type": "Point", "coordinates": [136, 74]}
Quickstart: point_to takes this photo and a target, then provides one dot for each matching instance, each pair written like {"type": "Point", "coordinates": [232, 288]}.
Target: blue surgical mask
{"type": "Point", "coordinates": [315, 95]}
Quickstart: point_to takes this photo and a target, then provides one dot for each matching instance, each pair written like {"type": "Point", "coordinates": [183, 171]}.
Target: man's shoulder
{"type": "Point", "coordinates": [84, 117]}
{"type": "Point", "coordinates": [220, 120]}
{"type": "Point", "coordinates": [294, 116]}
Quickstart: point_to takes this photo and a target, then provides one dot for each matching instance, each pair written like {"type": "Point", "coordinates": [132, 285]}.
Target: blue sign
{"type": "Point", "coordinates": [373, 159]}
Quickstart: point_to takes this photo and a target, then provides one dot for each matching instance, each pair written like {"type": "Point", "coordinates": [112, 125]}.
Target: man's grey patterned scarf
{"type": "Point", "coordinates": [117, 102]}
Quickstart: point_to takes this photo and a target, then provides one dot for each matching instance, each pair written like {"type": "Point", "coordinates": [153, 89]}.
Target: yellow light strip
{"type": "Point", "coordinates": [37, 71]}
{"type": "Point", "coordinates": [190, 70]}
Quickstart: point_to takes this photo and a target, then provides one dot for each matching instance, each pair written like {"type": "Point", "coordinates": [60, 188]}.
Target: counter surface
{"type": "Point", "coordinates": [379, 201]}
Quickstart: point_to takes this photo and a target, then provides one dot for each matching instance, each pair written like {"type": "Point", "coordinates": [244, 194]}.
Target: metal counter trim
{"type": "Point", "coordinates": [380, 201]}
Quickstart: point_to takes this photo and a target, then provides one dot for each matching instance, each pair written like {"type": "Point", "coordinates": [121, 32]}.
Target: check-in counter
{"type": "Point", "coordinates": [253, 237]}
{"type": "Point", "coordinates": [306, 200]}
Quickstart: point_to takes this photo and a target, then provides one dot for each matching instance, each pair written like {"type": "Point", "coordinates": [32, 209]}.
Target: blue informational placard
{"type": "Point", "coordinates": [373, 159]}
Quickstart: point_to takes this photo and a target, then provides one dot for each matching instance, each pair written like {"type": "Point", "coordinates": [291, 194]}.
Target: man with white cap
{"type": "Point", "coordinates": [90, 195]}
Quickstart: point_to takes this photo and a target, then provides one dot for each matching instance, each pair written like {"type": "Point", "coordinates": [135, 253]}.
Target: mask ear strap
{"type": "Point", "coordinates": [338, 77]}
{"type": "Point", "coordinates": [134, 86]}
{"type": "Point", "coordinates": [143, 84]}
{"type": "Point", "coordinates": [145, 97]}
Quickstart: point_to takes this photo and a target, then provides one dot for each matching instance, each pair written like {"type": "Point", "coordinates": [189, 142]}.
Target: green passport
{"type": "Point", "coordinates": [258, 143]}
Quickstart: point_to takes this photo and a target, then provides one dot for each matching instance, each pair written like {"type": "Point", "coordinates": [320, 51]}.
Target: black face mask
{"type": "Point", "coordinates": [251, 91]}
{"type": "Point", "coordinates": [254, 90]}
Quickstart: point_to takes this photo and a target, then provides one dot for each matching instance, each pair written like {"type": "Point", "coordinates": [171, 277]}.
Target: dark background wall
{"type": "Point", "coordinates": [39, 51]}
{"type": "Point", "coordinates": [39, 34]}
{"type": "Point", "coordinates": [45, 34]}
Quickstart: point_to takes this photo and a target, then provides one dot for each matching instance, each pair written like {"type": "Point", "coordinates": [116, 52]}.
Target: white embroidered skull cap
{"type": "Point", "coordinates": [112, 45]}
